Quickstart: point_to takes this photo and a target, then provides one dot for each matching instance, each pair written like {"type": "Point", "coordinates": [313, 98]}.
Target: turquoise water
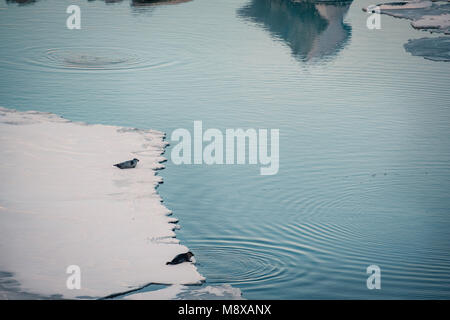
{"type": "Point", "coordinates": [364, 132]}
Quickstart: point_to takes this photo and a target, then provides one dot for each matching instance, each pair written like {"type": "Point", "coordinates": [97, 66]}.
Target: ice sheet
{"type": "Point", "coordinates": [63, 203]}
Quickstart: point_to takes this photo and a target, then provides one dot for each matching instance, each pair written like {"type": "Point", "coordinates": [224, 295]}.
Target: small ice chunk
{"type": "Point", "coordinates": [179, 292]}
{"type": "Point", "coordinates": [432, 22]}
{"type": "Point", "coordinates": [404, 5]}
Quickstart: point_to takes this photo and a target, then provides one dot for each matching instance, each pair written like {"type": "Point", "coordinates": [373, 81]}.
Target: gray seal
{"type": "Point", "coordinates": [182, 257]}
{"type": "Point", "coordinates": [127, 164]}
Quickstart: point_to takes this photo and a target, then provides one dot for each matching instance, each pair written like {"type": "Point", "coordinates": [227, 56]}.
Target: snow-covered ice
{"type": "Point", "coordinates": [63, 203]}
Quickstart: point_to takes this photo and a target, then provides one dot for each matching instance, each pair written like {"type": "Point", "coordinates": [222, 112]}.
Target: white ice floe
{"type": "Point", "coordinates": [432, 22]}
{"type": "Point", "coordinates": [174, 292]}
{"type": "Point", "coordinates": [414, 4]}
{"type": "Point", "coordinates": [63, 203]}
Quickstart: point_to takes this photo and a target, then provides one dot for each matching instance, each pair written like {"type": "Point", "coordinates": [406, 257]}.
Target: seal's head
{"type": "Point", "coordinates": [189, 254]}
{"type": "Point", "coordinates": [137, 160]}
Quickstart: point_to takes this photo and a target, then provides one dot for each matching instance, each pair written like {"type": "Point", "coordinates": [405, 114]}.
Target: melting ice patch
{"type": "Point", "coordinates": [180, 292]}
{"type": "Point", "coordinates": [63, 203]}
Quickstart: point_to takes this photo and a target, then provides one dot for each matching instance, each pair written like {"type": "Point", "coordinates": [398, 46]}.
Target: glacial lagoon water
{"type": "Point", "coordinates": [364, 132]}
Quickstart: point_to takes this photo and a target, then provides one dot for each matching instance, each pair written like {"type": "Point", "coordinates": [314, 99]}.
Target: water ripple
{"type": "Point", "coordinates": [254, 261]}
{"type": "Point", "coordinates": [87, 59]}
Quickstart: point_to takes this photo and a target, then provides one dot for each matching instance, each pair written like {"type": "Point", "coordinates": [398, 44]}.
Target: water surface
{"type": "Point", "coordinates": [364, 137]}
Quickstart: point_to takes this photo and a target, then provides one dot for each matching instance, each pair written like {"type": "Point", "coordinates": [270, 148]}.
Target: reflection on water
{"type": "Point", "coordinates": [365, 159]}
{"type": "Point", "coordinates": [311, 29]}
